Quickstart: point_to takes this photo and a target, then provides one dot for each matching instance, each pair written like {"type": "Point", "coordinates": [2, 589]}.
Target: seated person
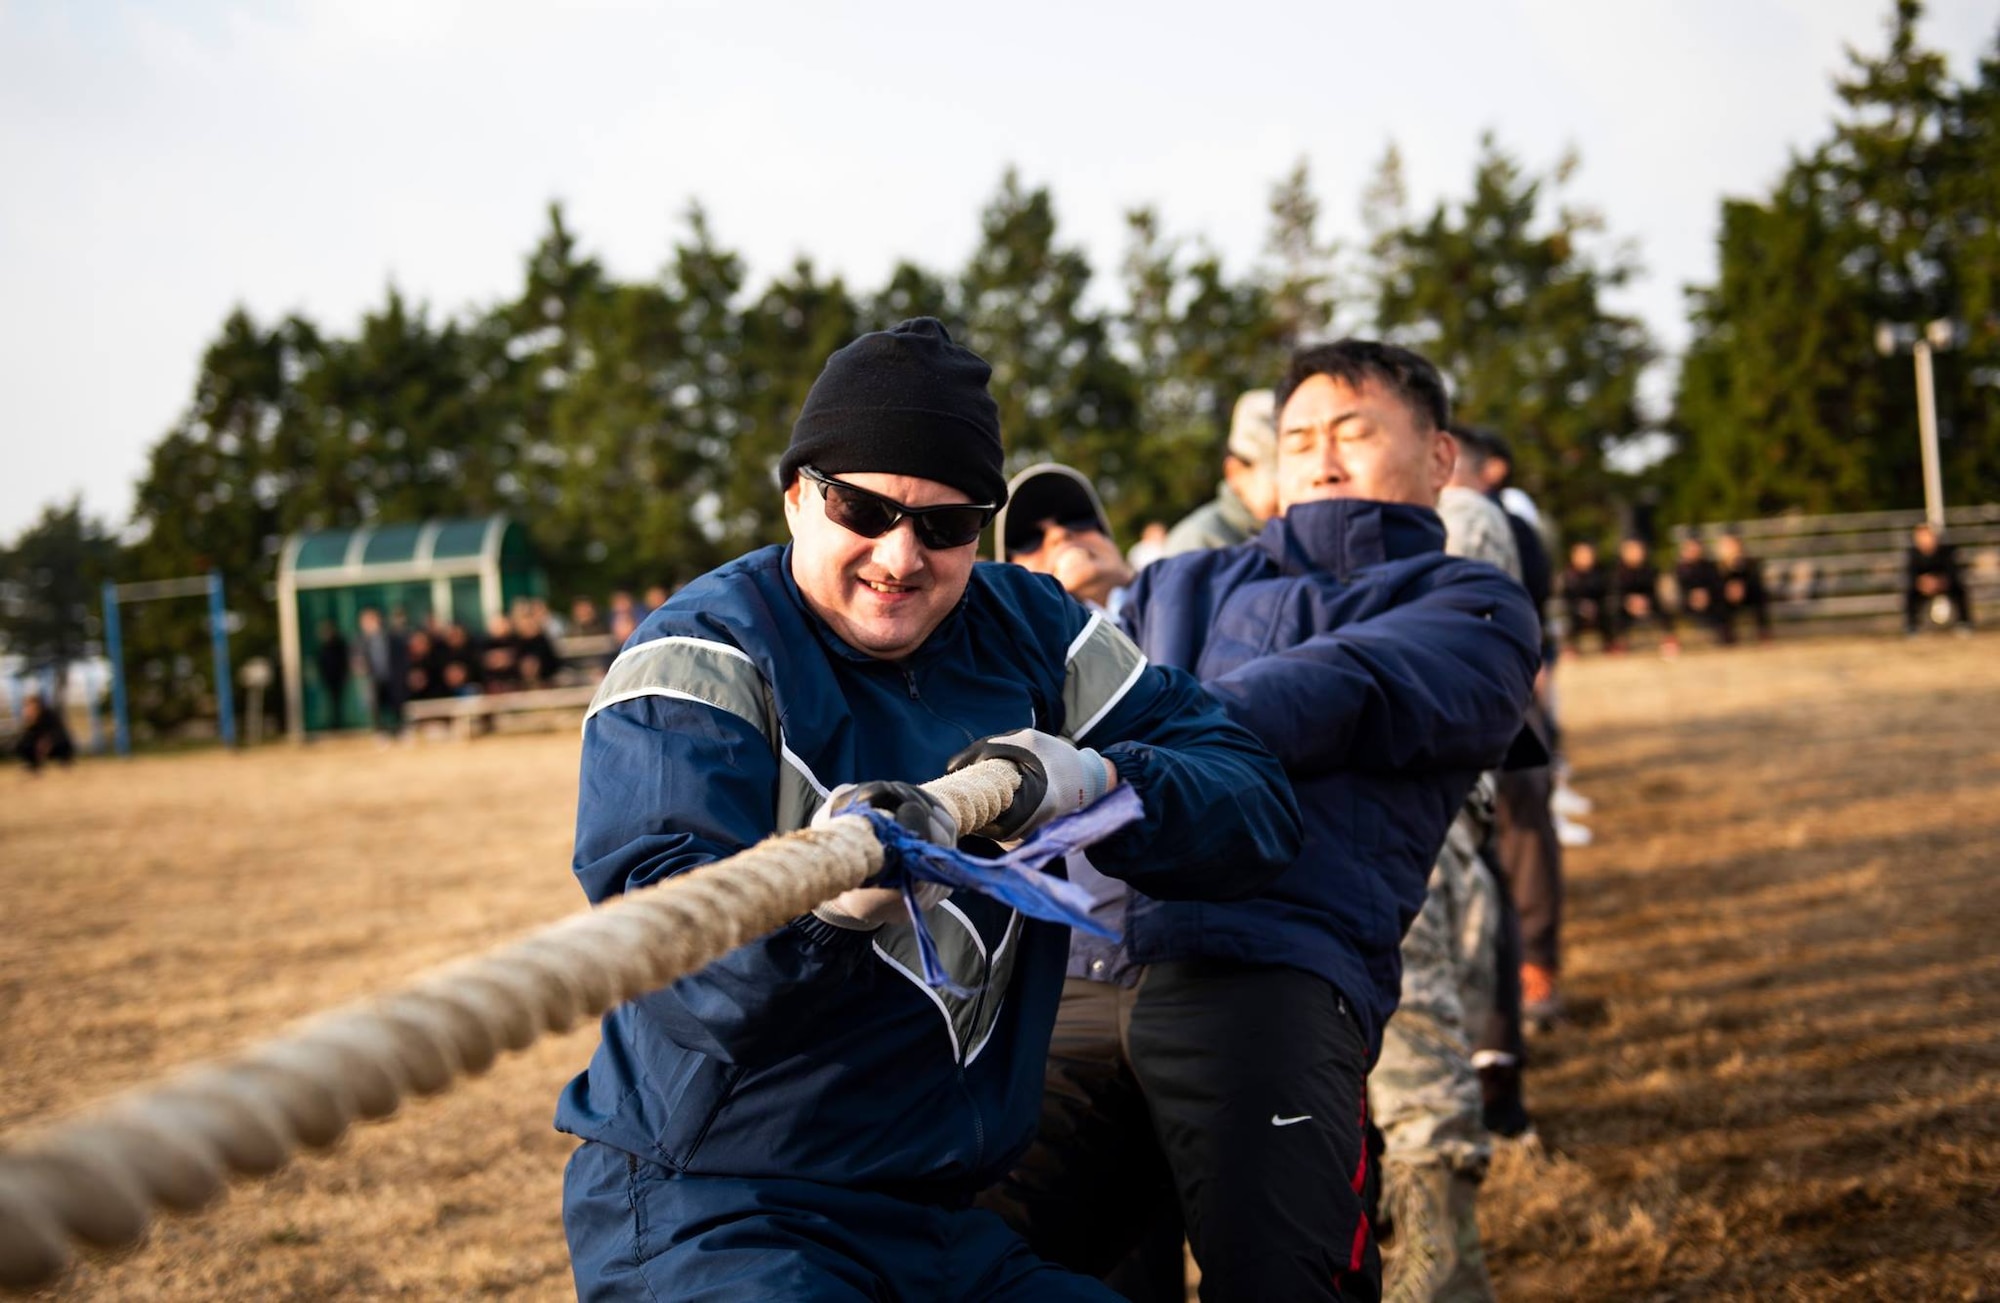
{"type": "Point", "coordinates": [535, 658]}
{"type": "Point", "coordinates": [44, 737]}
{"type": "Point", "coordinates": [1636, 590]}
{"type": "Point", "coordinates": [1700, 583]}
{"type": "Point", "coordinates": [425, 678]}
{"type": "Point", "coordinates": [1930, 572]}
{"type": "Point", "coordinates": [1586, 594]}
{"type": "Point", "coordinates": [1741, 579]}
{"type": "Point", "coordinates": [499, 659]}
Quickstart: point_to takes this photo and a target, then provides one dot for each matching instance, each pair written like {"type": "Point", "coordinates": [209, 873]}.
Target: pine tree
{"type": "Point", "coordinates": [220, 492]}
{"type": "Point", "coordinates": [1063, 394]}
{"type": "Point", "coordinates": [1195, 341]}
{"type": "Point", "coordinates": [51, 578]}
{"type": "Point", "coordinates": [1784, 403]}
{"type": "Point", "coordinates": [1507, 297]}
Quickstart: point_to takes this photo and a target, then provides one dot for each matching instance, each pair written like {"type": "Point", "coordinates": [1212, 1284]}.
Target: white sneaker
{"type": "Point", "coordinates": [1569, 803]}
{"type": "Point", "coordinates": [1572, 834]}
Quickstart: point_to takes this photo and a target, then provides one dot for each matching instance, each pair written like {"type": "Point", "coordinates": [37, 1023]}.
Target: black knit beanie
{"type": "Point", "coordinates": [903, 401]}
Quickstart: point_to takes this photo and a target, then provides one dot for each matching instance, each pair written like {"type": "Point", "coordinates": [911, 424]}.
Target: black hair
{"type": "Point", "coordinates": [1475, 447]}
{"type": "Point", "coordinates": [1355, 362]}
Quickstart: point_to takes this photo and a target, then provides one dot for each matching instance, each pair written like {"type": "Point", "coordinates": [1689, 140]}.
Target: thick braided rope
{"type": "Point", "coordinates": [175, 1144]}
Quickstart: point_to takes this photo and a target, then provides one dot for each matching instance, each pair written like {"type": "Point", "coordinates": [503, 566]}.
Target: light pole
{"type": "Point", "coordinates": [1892, 338]}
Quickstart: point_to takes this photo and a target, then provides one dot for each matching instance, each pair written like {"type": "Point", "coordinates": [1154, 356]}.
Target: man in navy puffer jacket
{"type": "Point", "coordinates": [806, 1118]}
{"type": "Point", "coordinates": [1385, 675]}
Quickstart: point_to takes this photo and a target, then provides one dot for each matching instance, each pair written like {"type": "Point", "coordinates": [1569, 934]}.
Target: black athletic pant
{"type": "Point", "coordinates": [1094, 1193]}
{"type": "Point", "coordinates": [1252, 1081]}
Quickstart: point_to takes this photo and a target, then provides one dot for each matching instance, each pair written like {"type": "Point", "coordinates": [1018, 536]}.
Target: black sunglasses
{"type": "Point", "coordinates": [871, 515]}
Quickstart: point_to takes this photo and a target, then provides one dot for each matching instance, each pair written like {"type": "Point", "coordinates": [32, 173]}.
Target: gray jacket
{"type": "Point", "coordinates": [1222, 522]}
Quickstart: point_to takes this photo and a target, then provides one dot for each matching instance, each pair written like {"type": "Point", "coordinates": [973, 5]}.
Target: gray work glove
{"type": "Point", "coordinates": [867, 908]}
{"type": "Point", "coordinates": [1057, 778]}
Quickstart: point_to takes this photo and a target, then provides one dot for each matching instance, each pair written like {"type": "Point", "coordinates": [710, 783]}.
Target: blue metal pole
{"type": "Point", "coordinates": [225, 697]}
{"type": "Point", "coordinates": [114, 651]}
{"type": "Point", "coordinates": [95, 735]}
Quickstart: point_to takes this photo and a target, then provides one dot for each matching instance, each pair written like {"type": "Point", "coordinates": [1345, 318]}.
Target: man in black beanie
{"type": "Point", "coordinates": [808, 1117]}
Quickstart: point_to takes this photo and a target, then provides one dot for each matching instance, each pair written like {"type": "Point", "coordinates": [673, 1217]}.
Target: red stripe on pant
{"type": "Point", "coordinates": [1359, 1181]}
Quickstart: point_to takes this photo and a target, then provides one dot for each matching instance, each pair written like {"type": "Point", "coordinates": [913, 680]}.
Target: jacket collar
{"type": "Point", "coordinates": [1344, 535]}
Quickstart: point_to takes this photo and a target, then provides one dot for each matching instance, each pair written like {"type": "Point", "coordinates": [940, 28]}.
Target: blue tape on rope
{"type": "Point", "coordinates": [1018, 878]}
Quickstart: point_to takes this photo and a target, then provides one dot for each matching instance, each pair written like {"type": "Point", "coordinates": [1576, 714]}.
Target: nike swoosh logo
{"type": "Point", "coordinates": [1277, 1121]}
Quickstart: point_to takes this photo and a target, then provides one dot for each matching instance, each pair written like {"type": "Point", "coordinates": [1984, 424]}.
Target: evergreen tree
{"type": "Point", "coordinates": [1775, 402]}
{"type": "Point", "coordinates": [1784, 403]}
{"type": "Point", "coordinates": [1063, 394]}
{"type": "Point", "coordinates": [1301, 271]}
{"type": "Point", "coordinates": [398, 429]}
{"type": "Point", "coordinates": [540, 385]}
{"type": "Point", "coordinates": [220, 492]}
{"type": "Point", "coordinates": [1507, 297]}
{"type": "Point", "coordinates": [51, 582]}
{"type": "Point", "coordinates": [787, 337]}
{"type": "Point", "coordinates": [1194, 341]}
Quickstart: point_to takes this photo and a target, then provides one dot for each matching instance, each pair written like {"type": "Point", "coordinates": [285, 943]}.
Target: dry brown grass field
{"type": "Point", "coordinates": [1785, 1082]}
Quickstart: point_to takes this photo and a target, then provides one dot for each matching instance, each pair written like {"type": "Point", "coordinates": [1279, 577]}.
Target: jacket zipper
{"type": "Point", "coordinates": [986, 979]}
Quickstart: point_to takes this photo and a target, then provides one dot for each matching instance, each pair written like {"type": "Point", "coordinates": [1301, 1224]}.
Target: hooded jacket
{"type": "Point", "coordinates": [816, 1053]}
{"type": "Point", "coordinates": [1385, 675]}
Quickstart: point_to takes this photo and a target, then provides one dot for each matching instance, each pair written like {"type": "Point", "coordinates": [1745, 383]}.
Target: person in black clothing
{"type": "Point", "coordinates": [1700, 583]}
{"type": "Point", "coordinates": [535, 658]}
{"type": "Point", "coordinates": [44, 738]}
{"type": "Point", "coordinates": [1586, 591]}
{"type": "Point", "coordinates": [335, 662]}
{"type": "Point", "coordinates": [1930, 572]}
{"type": "Point", "coordinates": [459, 671]}
{"type": "Point", "coordinates": [386, 656]}
{"type": "Point", "coordinates": [498, 655]}
{"type": "Point", "coordinates": [425, 678]}
{"type": "Point", "coordinates": [1636, 589]}
{"type": "Point", "coordinates": [1740, 582]}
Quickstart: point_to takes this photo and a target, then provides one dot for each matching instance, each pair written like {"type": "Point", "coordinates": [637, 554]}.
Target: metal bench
{"type": "Point", "coordinates": [462, 713]}
{"type": "Point", "coordinates": [1845, 573]}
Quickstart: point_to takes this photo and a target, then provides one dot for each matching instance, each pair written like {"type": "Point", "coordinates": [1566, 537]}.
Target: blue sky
{"type": "Point", "coordinates": [164, 162]}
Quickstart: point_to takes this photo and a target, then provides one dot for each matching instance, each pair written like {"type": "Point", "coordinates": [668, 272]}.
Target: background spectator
{"type": "Point", "coordinates": [1742, 588]}
{"type": "Point", "coordinates": [535, 658]}
{"type": "Point", "coordinates": [1586, 593]}
{"type": "Point", "coordinates": [385, 657]}
{"type": "Point", "coordinates": [1700, 585]}
{"type": "Point", "coordinates": [1930, 572]}
{"type": "Point", "coordinates": [334, 661]}
{"type": "Point", "coordinates": [1636, 590]}
{"type": "Point", "coordinates": [44, 737]}
{"type": "Point", "coordinates": [498, 666]}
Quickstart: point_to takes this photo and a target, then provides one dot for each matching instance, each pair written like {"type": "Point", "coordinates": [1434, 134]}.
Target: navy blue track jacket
{"type": "Point", "coordinates": [816, 1053]}
{"type": "Point", "coordinates": [1385, 675]}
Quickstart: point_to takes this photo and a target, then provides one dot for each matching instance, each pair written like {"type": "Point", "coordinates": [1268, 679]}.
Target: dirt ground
{"type": "Point", "coordinates": [1784, 1082]}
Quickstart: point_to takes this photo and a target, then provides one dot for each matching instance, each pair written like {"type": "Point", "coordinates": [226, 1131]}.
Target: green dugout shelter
{"type": "Point", "coordinates": [458, 571]}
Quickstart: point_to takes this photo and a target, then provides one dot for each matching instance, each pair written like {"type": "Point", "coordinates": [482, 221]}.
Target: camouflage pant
{"type": "Point", "coordinates": [1423, 1092]}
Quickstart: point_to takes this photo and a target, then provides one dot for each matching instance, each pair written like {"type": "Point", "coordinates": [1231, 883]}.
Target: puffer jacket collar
{"type": "Point", "coordinates": [1341, 536]}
